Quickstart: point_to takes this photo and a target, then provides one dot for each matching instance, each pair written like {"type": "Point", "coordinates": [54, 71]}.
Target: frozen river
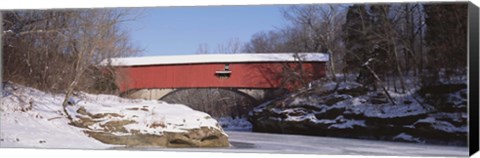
{"type": "Point", "coordinates": [249, 142]}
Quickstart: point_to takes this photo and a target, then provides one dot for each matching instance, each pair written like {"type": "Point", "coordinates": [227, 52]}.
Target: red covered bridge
{"type": "Point", "coordinates": [252, 74]}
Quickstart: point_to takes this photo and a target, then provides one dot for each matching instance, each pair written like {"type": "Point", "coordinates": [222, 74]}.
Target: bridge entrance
{"type": "Point", "coordinates": [218, 102]}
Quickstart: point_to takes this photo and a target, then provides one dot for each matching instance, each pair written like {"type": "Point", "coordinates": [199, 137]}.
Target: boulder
{"type": "Point", "coordinates": [147, 123]}
{"type": "Point", "coordinates": [202, 137]}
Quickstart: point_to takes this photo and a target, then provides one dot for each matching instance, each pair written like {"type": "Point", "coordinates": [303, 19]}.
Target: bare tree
{"type": "Point", "coordinates": [268, 42]}
{"type": "Point", "coordinates": [231, 46]}
{"type": "Point", "coordinates": [93, 40]}
{"type": "Point", "coordinates": [203, 49]}
{"type": "Point", "coordinates": [391, 37]}
{"type": "Point", "coordinates": [53, 49]}
{"type": "Point", "coordinates": [322, 29]}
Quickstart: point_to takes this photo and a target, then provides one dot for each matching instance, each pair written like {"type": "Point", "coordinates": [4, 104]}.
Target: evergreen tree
{"type": "Point", "coordinates": [381, 31]}
{"type": "Point", "coordinates": [446, 37]}
{"type": "Point", "coordinates": [357, 37]}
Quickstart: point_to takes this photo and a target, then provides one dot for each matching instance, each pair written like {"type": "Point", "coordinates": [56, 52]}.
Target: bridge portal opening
{"type": "Point", "coordinates": [216, 102]}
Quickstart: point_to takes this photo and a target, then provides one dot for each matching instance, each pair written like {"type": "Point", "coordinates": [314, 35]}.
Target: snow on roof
{"type": "Point", "coordinates": [216, 58]}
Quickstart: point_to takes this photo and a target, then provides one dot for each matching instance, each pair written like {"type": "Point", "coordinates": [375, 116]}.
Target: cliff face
{"type": "Point", "coordinates": [435, 114]}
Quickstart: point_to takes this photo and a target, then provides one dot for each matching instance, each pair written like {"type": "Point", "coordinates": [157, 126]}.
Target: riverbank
{"type": "Point", "coordinates": [432, 114]}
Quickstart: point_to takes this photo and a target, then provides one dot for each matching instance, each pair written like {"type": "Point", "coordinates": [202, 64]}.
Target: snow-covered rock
{"type": "Point", "coordinates": [235, 124]}
{"type": "Point", "coordinates": [407, 138]}
{"type": "Point", "coordinates": [348, 110]}
{"type": "Point", "coordinates": [32, 118]}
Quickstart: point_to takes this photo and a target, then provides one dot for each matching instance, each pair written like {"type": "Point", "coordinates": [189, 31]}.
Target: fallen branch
{"type": "Point", "coordinates": [381, 84]}
{"type": "Point", "coordinates": [54, 118]}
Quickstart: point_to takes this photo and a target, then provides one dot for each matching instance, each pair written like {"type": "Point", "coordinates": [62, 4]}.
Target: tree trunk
{"type": "Point", "coordinates": [398, 67]}
{"type": "Point", "coordinates": [302, 72]}
{"type": "Point", "coordinates": [66, 99]}
{"type": "Point", "coordinates": [332, 66]}
{"type": "Point", "coordinates": [381, 84]}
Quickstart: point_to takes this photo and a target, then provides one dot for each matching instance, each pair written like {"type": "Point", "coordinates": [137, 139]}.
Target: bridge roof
{"type": "Point", "coordinates": [216, 58]}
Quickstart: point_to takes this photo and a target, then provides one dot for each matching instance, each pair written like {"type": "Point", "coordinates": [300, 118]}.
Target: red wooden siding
{"type": "Point", "coordinates": [243, 75]}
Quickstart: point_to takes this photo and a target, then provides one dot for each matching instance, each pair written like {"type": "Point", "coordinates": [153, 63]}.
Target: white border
{"type": "Point", "coordinates": [63, 153]}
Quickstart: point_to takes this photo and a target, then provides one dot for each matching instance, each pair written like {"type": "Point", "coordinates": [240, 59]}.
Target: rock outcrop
{"type": "Point", "coordinates": [146, 123]}
{"type": "Point", "coordinates": [348, 110]}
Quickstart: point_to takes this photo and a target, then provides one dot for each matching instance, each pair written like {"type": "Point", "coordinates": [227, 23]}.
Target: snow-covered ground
{"type": "Point", "coordinates": [250, 142]}
{"type": "Point", "coordinates": [42, 126]}
{"type": "Point", "coordinates": [42, 130]}
{"type": "Point", "coordinates": [32, 118]}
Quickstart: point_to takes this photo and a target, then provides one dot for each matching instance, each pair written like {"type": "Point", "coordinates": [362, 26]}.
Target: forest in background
{"type": "Point", "coordinates": [389, 40]}
{"type": "Point", "coordinates": [382, 44]}
{"type": "Point", "coordinates": [56, 50]}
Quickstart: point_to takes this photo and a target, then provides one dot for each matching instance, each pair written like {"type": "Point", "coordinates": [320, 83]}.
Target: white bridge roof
{"type": "Point", "coordinates": [216, 58]}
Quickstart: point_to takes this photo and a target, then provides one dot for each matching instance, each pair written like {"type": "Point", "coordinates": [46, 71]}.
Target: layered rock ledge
{"type": "Point", "coordinates": [425, 115]}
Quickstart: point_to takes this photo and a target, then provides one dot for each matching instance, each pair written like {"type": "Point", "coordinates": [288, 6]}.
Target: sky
{"type": "Point", "coordinates": [181, 30]}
